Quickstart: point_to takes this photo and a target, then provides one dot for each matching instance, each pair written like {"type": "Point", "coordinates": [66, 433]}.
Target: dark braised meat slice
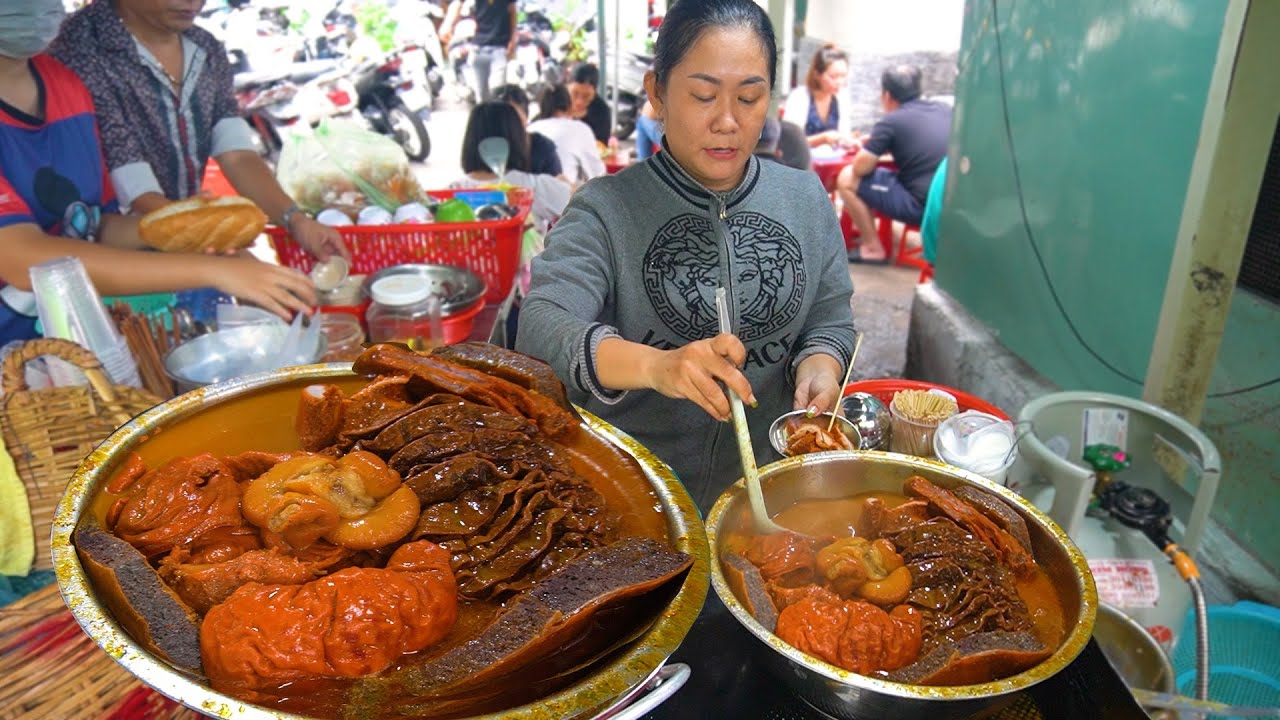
{"type": "Point", "coordinates": [748, 586]}
{"type": "Point", "coordinates": [435, 374]}
{"type": "Point", "coordinates": [997, 511]}
{"type": "Point", "coordinates": [1007, 549]}
{"type": "Point", "coordinates": [504, 444]}
{"type": "Point", "coordinates": [880, 520]}
{"type": "Point", "coordinates": [958, 584]}
{"type": "Point", "coordinates": [540, 623]}
{"type": "Point", "coordinates": [509, 529]}
{"type": "Point", "coordinates": [527, 372]}
{"type": "Point", "coordinates": [975, 659]}
{"type": "Point", "coordinates": [435, 418]}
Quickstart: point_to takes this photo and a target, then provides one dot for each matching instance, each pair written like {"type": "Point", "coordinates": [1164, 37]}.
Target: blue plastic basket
{"type": "Point", "coordinates": [1244, 665]}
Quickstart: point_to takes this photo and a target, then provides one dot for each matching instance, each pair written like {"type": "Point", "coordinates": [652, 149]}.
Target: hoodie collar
{"type": "Point", "coordinates": [664, 165]}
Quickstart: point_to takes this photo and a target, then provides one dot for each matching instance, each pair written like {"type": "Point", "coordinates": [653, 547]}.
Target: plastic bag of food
{"type": "Point", "coordinates": [342, 165]}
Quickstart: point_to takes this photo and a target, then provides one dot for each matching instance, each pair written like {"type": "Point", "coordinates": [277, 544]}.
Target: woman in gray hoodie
{"type": "Point", "coordinates": [622, 302]}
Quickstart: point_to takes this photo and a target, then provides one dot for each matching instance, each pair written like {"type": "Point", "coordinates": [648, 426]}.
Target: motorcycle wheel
{"type": "Point", "coordinates": [410, 132]}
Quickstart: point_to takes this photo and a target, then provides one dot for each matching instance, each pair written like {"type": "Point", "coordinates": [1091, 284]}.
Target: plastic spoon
{"type": "Point", "coordinates": [495, 151]}
{"type": "Point", "coordinates": [763, 522]}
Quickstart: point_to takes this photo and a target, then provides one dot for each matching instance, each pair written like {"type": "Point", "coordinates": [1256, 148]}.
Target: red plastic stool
{"type": "Point", "coordinates": [215, 182]}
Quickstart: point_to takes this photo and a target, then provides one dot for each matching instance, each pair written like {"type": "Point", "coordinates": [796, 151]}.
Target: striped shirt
{"type": "Point", "coordinates": [155, 139]}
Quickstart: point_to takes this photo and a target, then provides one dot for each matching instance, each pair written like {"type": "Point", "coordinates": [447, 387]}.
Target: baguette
{"type": "Point", "coordinates": [198, 224]}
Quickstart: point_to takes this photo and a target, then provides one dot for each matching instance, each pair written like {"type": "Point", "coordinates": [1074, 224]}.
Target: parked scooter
{"type": "Point", "coordinates": [294, 99]}
{"type": "Point", "coordinates": [393, 102]}
{"type": "Point", "coordinates": [534, 67]}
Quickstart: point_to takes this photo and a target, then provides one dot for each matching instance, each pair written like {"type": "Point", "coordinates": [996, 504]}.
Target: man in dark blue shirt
{"type": "Point", "coordinates": [914, 132]}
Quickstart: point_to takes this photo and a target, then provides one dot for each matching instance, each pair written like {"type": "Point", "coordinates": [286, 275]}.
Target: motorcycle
{"type": "Point", "coordinates": [534, 68]}
{"type": "Point", "coordinates": [393, 102]}
{"type": "Point", "coordinates": [294, 99]}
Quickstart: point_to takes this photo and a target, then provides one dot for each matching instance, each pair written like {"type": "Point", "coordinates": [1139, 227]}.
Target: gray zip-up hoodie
{"type": "Point", "coordinates": [640, 255]}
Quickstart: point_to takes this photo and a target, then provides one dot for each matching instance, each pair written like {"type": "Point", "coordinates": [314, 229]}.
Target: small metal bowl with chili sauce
{"type": "Point", "coordinates": [816, 495]}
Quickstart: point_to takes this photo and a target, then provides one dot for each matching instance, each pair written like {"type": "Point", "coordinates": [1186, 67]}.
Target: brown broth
{"type": "Point", "coordinates": [837, 517]}
{"type": "Point", "coordinates": [264, 421]}
{"type": "Point", "coordinates": [1042, 602]}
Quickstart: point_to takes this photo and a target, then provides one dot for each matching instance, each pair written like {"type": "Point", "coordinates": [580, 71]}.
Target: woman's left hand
{"type": "Point", "coordinates": [318, 239]}
{"type": "Point", "coordinates": [818, 383]}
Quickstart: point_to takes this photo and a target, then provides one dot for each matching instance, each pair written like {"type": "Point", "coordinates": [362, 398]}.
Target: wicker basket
{"type": "Point", "coordinates": [48, 432]}
{"type": "Point", "coordinates": [51, 669]}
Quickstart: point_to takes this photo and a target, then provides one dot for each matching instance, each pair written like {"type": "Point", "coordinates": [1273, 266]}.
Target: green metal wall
{"type": "Point", "coordinates": [1105, 100]}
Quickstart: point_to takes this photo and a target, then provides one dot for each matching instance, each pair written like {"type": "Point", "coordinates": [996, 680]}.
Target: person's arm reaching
{"type": "Point", "coordinates": [251, 177]}
{"type": "Point", "coordinates": [450, 20]}
{"type": "Point", "coordinates": [116, 271]}
{"type": "Point", "coordinates": [511, 18]}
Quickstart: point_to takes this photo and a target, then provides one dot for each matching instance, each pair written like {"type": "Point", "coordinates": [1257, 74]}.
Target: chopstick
{"type": "Point", "coordinates": [848, 372]}
{"type": "Point", "coordinates": [149, 342]}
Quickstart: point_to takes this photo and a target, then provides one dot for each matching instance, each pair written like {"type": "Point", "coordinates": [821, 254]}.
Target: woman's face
{"type": "Point", "coordinates": [714, 105]}
{"type": "Point", "coordinates": [835, 76]}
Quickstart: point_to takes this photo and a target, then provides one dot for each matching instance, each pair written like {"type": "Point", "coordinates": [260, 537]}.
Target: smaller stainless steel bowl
{"type": "Point", "coordinates": [227, 354]}
{"type": "Point", "coordinates": [871, 417]}
{"type": "Point", "coordinates": [458, 288]}
{"type": "Point", "coordinates": [780, 430]}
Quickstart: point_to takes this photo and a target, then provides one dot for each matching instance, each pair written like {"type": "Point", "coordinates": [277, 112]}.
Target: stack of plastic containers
{"type": "Point", "coordinates": [69, 307]}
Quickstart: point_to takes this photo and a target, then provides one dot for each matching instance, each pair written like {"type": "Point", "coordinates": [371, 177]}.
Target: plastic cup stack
{"type": "Point", "coordinates": [70, 308]}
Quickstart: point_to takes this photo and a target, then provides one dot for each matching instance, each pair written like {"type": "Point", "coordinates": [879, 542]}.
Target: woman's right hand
{"type": "Point", "coordinates": [281, 290]}
{"type": "Point", "coordinates": [691, 372]}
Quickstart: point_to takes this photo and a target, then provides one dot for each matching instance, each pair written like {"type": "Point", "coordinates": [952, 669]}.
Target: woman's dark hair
{"type": "Point", "coordinates": [555, 99]}
{"type": "Point", "coordinates": [586, 73]}
{"type": "Point", "coordinates": [495, 119]}
{"type": "Point", "coordinates": [513, 94]}
{"type": "Point", "coordinates": [902, 82]}
{"type": "Point", "coordinates": [821, 61]}
{"type": "Point", "coordinates": [687, 20]}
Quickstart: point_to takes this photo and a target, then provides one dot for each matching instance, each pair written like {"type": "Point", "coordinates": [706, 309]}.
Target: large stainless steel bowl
{"type": "Point", "coordinates": [845, 694]}
{"type": "Point", "coordinates": [235, 352]}
{"type": "Point", "coordinates": [227, 418]}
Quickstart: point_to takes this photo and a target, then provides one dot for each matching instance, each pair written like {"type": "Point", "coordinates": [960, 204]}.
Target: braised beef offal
{"type": "Point", "coordinates": [939, 590]}
{"type": "Point", "coordinates": [438, 534]}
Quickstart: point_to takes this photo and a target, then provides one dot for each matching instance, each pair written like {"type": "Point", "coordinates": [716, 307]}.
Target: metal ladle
{"type": "Point", "coordinates": [763, 523]}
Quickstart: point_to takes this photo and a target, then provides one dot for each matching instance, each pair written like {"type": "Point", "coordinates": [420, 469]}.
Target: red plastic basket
{"type": "Point", "coordinates": [884, 389]}
{"type": "Point", "coordinates": [489, 248]}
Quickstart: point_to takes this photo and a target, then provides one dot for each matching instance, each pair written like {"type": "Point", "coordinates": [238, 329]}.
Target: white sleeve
{"type": "Point", "coordinates": [592, 164]}
{"type": "Point", "coordinates": [550, 197]}
{"type": "Point", "coordinates": [796, 108]}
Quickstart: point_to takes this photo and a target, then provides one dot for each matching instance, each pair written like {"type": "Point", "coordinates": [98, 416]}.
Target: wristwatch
{"type": "Point", "coordinates": [287, 216]}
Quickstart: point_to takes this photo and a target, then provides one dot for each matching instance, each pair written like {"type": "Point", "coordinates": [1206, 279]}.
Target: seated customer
{"type": "Point", "coordinates": [543, 159]}
{"type": "Point", "coordinates": [815, 105]}
{"type": "Point", "coordinates": [783, 142]}
{"type": "Point", "coordinates": [574, 143]}
{"type": "Point", "coordinates": [56, 199]}
{"type": "Point", "coordinates": [588, 106]}
{"type": "Point", "coordinates": [498, 119]}
{"type": "Point", "coordinates": [914, 132]}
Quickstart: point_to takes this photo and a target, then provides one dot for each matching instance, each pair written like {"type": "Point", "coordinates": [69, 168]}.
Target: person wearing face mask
{"type": "Point", "coordinates": [622, 301]}
{"type": "Point", "coordinates": [163, 90]}
{"type": "Point", "coordinates": [56, 198]}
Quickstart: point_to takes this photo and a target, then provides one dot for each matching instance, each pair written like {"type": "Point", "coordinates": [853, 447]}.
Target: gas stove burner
{"type": "Point", "coordinates": [1137, 507]}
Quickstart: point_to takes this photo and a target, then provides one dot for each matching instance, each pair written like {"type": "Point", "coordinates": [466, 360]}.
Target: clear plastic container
{"type": "Point", "coordinates": [404, 310]}
{"type": "Point", "coordinates": [344, 334]}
